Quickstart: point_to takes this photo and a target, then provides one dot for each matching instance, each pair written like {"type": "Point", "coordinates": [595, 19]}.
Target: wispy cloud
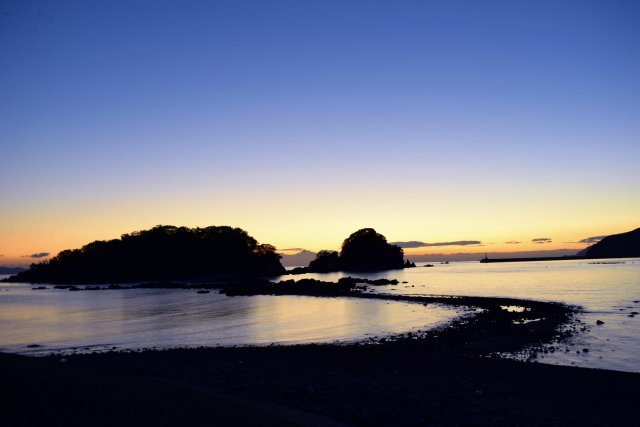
{"type": "Point", "coordinates": [593, 239]}
{"type": "Point", "coordinates": [540, 240]}
{"type": "Point", "coordinates": [417, 244]}
{"type": "Point", "coordinates": [37, 255]}
{"type": "Point", "coordinates": [513, 242]}
{"type": "Point", "coordinates": [291, 249]}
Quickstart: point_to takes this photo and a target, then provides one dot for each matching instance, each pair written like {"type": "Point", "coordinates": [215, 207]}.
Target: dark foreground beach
{"type": "Point", "coordinates": [312, 386]}
{"type": "Point", "coordinates": [450, 376]}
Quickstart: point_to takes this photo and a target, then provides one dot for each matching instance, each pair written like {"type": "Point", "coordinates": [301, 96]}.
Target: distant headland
{"type": "Point", "coordinates": [11, 270]}
{"type": "Point", "coordinates": [623, 245]}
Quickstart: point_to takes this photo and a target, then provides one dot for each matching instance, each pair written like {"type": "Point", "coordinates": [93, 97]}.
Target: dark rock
{"type": "Point", "coordinates": [298, 270]}
{"type": "Point", "coordinates": [599, 322]}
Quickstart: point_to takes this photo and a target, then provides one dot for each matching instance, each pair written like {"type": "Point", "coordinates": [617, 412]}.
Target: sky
{"type": "Point", "coordinates": [304, 121]}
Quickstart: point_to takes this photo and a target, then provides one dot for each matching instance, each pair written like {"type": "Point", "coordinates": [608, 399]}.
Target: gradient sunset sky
{"type": "Point", "coordinates": [303, 121]}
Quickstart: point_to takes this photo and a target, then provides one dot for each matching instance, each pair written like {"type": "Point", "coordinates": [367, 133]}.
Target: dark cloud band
{"type": "Point", "coordinates": [417, 244]}
{"type": "Point", "coordinates": [542, 240]}
{"type": "Point", "coordinates": [37, 255]}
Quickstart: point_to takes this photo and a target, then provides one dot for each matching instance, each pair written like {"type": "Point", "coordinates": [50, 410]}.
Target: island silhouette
{"type": "Point", "coordinates": [167, 252]}
{"type": "Point", "coordinates": [364, 250]}
{"type": "Point", "coordinates": [163, 252]}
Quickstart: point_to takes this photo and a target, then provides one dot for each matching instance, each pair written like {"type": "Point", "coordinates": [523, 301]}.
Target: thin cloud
{"type": "Point", "coordinates": [541, 240]}
{"type": "Point", "coordinates": [512, 242]}
{"type": "Point", "coordinates": [594, 239]}
{"type": "Point", "coordinates": [416, 244]}
{"type": "Point", "coordinates": [292, 250]}
{"type": "Point", "coordinates": [37, 255]}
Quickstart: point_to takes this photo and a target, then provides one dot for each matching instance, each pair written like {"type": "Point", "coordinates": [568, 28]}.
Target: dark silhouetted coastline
{"type": "Point", "coordinates": [623, 245]}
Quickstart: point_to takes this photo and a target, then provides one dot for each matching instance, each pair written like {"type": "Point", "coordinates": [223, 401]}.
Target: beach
{"type": "Point", "coordinates": [487, 366]}
{"type": "Point", "coordinates": [451, 375]}
{"type": "Point", "coordinates": [394, 384]}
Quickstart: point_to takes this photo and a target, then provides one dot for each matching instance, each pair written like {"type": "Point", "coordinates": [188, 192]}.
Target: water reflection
{"type": "Point", "coordinates": [142, 318]}
{"type": "Point", "coordinates": [606, 291]}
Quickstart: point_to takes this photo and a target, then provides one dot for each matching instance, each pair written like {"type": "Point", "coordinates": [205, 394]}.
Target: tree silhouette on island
{"type": "Point", "coordinates": [162, 253]}
{"type": "Point", "coordinates": [167, 252]}
{"type": "Point", "coordinates": [364, 250]}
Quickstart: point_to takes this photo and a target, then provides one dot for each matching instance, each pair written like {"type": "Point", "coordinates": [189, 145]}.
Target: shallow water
{"type": "Point", "coordinates": [39, 321]}
{"type": "Point", "coordinates": [59, 319]}
{"type": "Point", "coordinates": [608, 292]}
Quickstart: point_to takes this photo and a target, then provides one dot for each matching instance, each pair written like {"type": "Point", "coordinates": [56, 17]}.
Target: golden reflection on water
{"type": "Point", "coordinates": [304, 319]}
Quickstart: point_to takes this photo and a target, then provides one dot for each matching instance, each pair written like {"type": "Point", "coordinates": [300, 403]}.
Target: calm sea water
{"type": "Point", "coordinates": [63, 320]}
{"type": "Point", "coordinates": [42, 321]}
{"type": "Point", "coordinates": [607, 290]}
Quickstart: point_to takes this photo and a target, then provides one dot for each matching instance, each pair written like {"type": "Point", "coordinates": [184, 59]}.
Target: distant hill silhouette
{"type": "Point", "coordinates": [163, 252]}
{"type": "Point", "coordinates": [300, 258]}
{"type": "Point", "coordinates": [364, 250]}
{"type": "Point", "coordinates": [615, 246]}
{"type": "Point", "coordinates": [11, 270]}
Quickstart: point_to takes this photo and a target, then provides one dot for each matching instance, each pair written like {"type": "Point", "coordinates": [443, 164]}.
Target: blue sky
{"type": "Point", "coordinates": [242, 112]}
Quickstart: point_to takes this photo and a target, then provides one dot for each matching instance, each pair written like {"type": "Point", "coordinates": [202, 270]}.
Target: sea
{"type": "Point", "coordinates": [605, 292]}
